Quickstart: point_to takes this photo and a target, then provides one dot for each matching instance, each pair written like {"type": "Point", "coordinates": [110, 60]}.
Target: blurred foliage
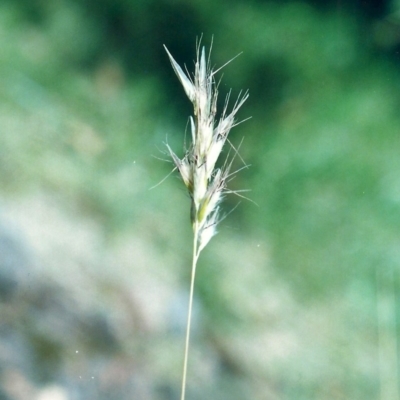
{"type": "Point", "coordinates": [88, 95]}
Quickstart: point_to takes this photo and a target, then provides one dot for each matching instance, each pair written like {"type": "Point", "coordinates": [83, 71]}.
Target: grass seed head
{"type": "Point", "coordinates": [205, 183]}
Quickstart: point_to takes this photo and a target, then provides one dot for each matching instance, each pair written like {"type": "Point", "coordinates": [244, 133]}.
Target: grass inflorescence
{"type": "Point", "coordinates": [206, 183]}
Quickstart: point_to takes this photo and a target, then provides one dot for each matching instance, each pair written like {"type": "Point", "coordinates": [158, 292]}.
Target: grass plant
{"type": "Point", "coordinates": [205, 182]}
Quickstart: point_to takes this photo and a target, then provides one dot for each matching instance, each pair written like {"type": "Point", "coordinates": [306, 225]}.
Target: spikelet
{"type": "Point", "coordinates": [205, 183]}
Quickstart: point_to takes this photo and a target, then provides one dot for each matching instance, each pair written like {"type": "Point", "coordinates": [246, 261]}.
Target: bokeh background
{"type": "Point", "coordinates": [297, 297]}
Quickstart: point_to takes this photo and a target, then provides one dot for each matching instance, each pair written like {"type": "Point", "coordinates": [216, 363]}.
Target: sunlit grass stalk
{"type": "Point", "coordinates": [206, 183]}
{"type": "Point", "coordinates": [189, 316]}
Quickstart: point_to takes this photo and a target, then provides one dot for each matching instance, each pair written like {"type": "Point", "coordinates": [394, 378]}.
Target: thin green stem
{"type": "Point", "coordinates": [189, 317]}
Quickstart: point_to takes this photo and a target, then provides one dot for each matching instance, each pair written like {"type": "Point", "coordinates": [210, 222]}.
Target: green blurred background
{"type": "Point", "coordinates": [297, 297]}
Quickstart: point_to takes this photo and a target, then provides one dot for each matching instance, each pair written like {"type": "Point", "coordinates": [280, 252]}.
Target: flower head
{"type": "Point", "coordinates": [205, 183]}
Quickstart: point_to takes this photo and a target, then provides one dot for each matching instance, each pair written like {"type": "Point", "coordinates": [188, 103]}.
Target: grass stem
{"type": "Point", "coordinates": [189, 316]}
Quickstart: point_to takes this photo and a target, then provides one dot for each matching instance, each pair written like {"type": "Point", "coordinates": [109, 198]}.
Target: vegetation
{"type": "Point", "coordinates": [299, 299]}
